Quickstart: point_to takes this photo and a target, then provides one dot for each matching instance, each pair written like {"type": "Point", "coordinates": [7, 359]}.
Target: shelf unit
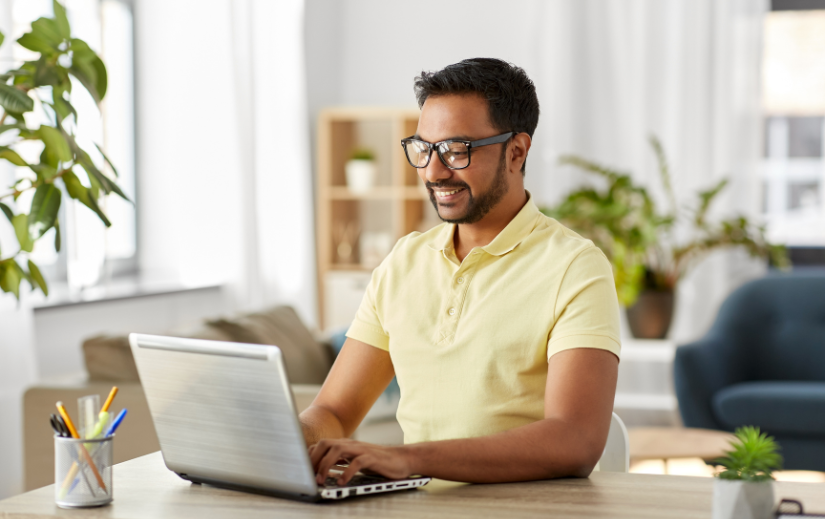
{"type": "Point", "coordinates": [397, 205]}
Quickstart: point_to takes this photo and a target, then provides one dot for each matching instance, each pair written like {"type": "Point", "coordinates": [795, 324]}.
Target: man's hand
{"type": "Point", "coordinates": [390, 462]}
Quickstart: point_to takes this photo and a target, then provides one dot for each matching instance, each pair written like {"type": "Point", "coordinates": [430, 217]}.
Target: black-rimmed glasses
{"type": "Point", "coordinates": [455, 154]}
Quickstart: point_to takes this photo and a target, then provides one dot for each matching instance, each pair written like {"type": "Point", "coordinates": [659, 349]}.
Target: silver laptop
{"type": "Point", "coordinates": [225, 416]}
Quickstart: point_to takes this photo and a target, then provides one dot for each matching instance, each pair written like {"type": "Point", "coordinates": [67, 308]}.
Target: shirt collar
{"type": "Point", "coordinates": [514, 233]}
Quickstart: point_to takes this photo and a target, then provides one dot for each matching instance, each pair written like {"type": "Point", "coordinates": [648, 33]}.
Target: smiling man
{"type": "Point", "coordinates": [501, 325]}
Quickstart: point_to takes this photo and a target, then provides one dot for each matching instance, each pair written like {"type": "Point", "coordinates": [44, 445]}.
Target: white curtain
{"type": "Point", "coordinates": [686, 70]}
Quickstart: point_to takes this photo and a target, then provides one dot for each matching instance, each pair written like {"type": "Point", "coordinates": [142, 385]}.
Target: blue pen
{"type": "Point", "coordinates": [110, 431]}
{"type": "Point", "coordinates": [115, 424]}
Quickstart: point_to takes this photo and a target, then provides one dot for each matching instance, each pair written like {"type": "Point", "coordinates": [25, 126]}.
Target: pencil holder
{"type": "Point", "coordinates": [82, 472]}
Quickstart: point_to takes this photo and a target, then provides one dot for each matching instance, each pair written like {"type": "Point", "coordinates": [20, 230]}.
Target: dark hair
{"type": "Point", "coordinates": [510, 94]}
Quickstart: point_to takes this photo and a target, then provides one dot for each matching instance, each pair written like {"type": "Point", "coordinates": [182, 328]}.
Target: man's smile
{"type": "Point", "coordinates": [447, 194]}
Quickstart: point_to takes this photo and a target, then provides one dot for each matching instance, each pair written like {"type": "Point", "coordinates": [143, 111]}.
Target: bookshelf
{"type": "Point", "coordinates": [355, 230]}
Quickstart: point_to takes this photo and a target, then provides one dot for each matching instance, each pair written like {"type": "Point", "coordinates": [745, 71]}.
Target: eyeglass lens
{"type": "Point", "coordinates": [453, 154]}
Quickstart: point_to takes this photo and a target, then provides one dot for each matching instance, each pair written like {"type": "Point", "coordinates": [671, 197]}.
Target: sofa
{"type": "Point", "coordinates": [108, 360]}
{"type": "Point", "coordinates": [762, 363]}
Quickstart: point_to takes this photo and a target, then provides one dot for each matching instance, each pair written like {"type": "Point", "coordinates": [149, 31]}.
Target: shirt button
{"type": "Point", "coordinates": [451, 311]}
{"type": "Point", "coordinates": [459, 280]}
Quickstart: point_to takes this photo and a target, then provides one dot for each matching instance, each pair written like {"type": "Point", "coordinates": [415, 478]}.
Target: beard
{"type": "Point", "coordinates": [477, 207]}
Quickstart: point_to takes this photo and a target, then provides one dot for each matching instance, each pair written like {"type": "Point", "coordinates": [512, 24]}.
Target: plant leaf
{"type": "Point", "coordinates": [88, 69]}
{"type": "Point", "coordinates": [37, 277]}
{"type": "Point", "coordinates": [15, 100]}
{"type": "Point", "coordinates": [61, 21]}
{"type": "Point", "coordinates": [7, 211]}
{"type": "Point", "coordinates": [11, 156]}
{"type": "Point", "coordinates": [45, 205]}
{"type": "Point", "coordinates": [21, 229]}
{"type": "Point", "coordinates": [106, 158]}
{"type": "Point", "coordinates": [56, 146]}
{"type": "Point", "coordinates": [47, 30]}
{"type": "Point", "coordinates": [36, 43]}
{"type": "Point", "coordinates": [83, 194]}
{"type": "Point", "coordinates": [2, 38]}
{"type": "Point", "coordinates": [10, 277]}
{"type": "Point", "coordinates": [58, 241]}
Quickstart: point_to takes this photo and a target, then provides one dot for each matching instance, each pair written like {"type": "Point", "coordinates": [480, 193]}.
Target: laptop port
{"type": "Point", "coordinates": [401, 485]}
{"type": "Point", "coordinates": [339, 493]}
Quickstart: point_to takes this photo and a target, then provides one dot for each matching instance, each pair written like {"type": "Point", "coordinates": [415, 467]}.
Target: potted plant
{"type": "Point", "coordinates": [648, 259]}
{"type": "Point", "coordinates": [360, 170]}
{"type": "Point", "coordinates": [42, 87]}
{"type": "Point", "coordinates": [744, 489]}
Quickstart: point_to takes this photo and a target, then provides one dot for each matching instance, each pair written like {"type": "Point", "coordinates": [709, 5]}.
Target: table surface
{"type": "Point", "coordinates": [143, 487]}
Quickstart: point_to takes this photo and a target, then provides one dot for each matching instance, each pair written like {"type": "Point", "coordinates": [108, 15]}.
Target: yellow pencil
{"type": "Point", "coordinates": [108, 401]}
{"type": "Point", "coordinates": [83, 451]}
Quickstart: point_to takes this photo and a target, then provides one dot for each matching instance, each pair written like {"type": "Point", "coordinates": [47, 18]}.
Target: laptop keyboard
{"type": "Point", "coordinates": [356, 480]}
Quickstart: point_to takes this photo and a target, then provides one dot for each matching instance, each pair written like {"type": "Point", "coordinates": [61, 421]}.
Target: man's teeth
{"type": "Point", "coordinates": [447, 193]}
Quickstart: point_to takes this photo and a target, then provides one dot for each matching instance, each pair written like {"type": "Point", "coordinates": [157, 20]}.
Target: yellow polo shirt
{"type": "Point", "coordinates": [470, 340]}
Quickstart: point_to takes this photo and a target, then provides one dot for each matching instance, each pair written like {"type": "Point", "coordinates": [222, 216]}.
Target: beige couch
{"type": "Point", "coordinates": [109, 362]}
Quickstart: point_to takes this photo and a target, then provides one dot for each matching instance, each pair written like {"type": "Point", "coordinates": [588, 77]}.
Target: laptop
{"type": "Point", "coordinates": [225, 416]}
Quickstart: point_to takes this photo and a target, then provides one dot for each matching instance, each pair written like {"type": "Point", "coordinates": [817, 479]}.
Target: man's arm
{"type": "Point", "coordinates": [581, 384]}
{"type": "Point", "coordinates": [359, 376]}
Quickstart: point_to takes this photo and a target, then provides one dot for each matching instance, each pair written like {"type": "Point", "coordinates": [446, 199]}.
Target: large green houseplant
{"type": "Point", "coordinates": [639, 239]}
{"type": "Point", "coordinates": [36, 99]}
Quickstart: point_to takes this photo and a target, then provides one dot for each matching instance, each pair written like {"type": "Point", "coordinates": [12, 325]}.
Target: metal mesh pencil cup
{"type": "Point", "coordinates": [82, 472]}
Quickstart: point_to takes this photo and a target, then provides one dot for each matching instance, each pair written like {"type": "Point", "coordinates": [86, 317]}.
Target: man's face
{"type": "Point", "coordinates": [465, 195]}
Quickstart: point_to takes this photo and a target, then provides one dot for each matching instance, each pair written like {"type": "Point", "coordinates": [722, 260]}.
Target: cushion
{"type": "Point", "coordinates": [307, 361]}
{"type": "Point", "coordinates": [796, 408]}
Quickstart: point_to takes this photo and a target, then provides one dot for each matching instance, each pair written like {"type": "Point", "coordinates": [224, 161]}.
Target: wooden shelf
{"type": "Point", "coordinates": [365, 223]}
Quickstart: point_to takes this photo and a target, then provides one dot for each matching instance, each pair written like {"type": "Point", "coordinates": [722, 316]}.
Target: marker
{"type": "Point", "coordinates": [103, 417]}
{"type": "Point", "coordinates": [82, 448]}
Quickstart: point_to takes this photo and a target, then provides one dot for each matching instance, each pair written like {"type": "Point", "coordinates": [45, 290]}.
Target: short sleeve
{"type": "Point", "coordinates": [587, 308]}
{"type": "Point", "coordinates": [366, 327]}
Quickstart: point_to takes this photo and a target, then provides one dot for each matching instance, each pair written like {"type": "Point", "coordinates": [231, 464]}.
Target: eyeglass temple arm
{"type": "Point", "coordinates": [492, 140]}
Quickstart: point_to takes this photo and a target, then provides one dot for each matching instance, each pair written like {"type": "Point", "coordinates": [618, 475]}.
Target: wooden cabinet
{"type": "Point", "coordinates": [355, 230]}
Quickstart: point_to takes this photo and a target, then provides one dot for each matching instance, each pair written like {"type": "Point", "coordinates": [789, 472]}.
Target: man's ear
{"type": "Point", "coordinates": [517, 151]}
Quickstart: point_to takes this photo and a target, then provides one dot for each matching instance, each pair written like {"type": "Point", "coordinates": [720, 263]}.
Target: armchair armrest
{"type": "Point", "coordinates": [700, 369]}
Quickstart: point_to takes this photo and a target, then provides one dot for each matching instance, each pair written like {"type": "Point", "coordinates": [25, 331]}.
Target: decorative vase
{"type": "Point", "coordinates": [736, 499]}
{"type": "Point", "coordinates": [360, 175]}
{"type": "Point", "coordinates": [651, 314]}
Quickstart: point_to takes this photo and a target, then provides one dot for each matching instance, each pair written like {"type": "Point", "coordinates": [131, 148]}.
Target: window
{"type": "Point", "coordinates": [90, 253]}
{"type": "Point", "coordinates": [793, 198]}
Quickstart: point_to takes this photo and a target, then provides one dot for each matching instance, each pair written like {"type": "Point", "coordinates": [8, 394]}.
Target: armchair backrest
{"type": "Point", "coordinates": [777, 327]}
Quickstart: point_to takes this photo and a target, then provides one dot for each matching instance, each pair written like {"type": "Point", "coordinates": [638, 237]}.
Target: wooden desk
{"type": "Point", "coordinates": [145, 488]}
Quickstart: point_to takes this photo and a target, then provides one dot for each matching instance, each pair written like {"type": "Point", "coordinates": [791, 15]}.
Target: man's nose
{"type": "Point", "coordinates": [436, 171]}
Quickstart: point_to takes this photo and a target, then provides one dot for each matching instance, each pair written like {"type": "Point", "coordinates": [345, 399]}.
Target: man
{"type": "Point", "coordinates": [501, 325]}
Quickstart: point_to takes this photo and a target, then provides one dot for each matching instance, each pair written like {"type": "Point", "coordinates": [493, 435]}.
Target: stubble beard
{"type": "Point", "coordinates": [477, 208]}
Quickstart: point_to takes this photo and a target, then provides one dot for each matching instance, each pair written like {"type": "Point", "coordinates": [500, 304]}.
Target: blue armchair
{"type": "Point", "coordinates": [762, 363]}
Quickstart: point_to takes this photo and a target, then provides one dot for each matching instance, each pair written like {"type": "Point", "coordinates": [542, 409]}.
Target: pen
{"type": "Point", "coordinates": [82, 448]}
{"type": "Point", "coordinates": [115, 423]}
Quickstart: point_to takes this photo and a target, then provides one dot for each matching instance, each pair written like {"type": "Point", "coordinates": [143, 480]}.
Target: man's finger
{"type": "Point", "coordinates": [355, 465]}
{"type": "Point", "coordinates": [318, 451]}
{"type": "Point", "coordinates": [333, 454]}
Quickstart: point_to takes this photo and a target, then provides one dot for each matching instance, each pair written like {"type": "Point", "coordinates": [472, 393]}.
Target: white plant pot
{"type": "Point", "coordinates": [360, 175]}
{"type": "Point", "coordinates": [734, 499]}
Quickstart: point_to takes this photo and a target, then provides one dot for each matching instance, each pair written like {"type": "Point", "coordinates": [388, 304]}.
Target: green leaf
{"type": "Point", "coordinates": [97, 176]}
{"type": "Point", "coordinates": [11, 156]}
{"type": "Point", "coordinates": [106, 158]}
{"type": "Point", "coordinates": [83, 194]}
{"type": "Point", "coordinates": [45, 74]}
{"type": "Point", "coordinates": [10, 277]}
{"type": "Point", "coordinates": [44, 171]}
{"type": "Point", "coordinates": [14, 126]}
{"type": "Point", "coordinates": [56, 145]}
{"type": "Point", "coordinates": [61, 21]}
{"type": "Point", "coordinates": [45, 205]}
{"type": "Point", "coordinates": [36, 43]}
{"type": "Point", "coordinates": [64, 109]}
{"type": "Point", "coordinates": [2, 38]}
{"type": "Point", "coordinates": [15, 100]}
{"type": "Point", "coordinates": [47, 29]}
{"type": "Point", "coordinates": [21, 228]}
{"type": "Point", "coordinates": [57, 238]}
{"type": "Point", "coordinates": [37, 277]}
{"type": "Point", "coordinates": [7, 211]}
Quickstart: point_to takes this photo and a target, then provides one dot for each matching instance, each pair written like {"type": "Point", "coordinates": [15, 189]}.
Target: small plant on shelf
{"type": "Point", "coordinates": [362, 154]}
